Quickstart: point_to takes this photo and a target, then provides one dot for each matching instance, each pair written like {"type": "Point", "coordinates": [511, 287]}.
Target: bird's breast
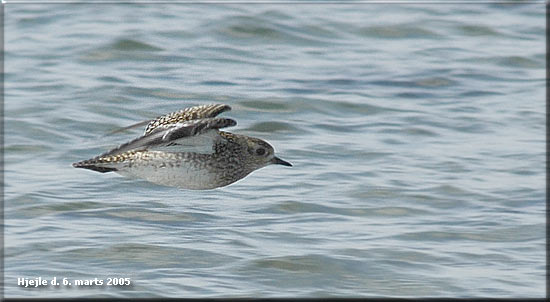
{"type": "Point", "coordinates": [184, 170]}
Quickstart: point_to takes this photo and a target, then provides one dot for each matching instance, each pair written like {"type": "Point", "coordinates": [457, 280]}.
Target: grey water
{"type": "Point", "coordinates": [416, 131]}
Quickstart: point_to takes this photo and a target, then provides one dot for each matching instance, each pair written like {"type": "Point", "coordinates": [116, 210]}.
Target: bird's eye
{"type": "Point", "coordinates": [260, 151]}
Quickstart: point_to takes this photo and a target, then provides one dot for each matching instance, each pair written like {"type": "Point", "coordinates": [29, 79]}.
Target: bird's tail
{"type": "Point", "coordinates": [93, 164]}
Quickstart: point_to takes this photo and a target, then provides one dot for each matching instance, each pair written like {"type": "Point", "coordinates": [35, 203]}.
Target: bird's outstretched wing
{"type": "Point", "coordinates": [197, 136]}
{"type": "Point", "coordinates": [175, 134]}
{"type": "Point", "coordinates": [187, 114]}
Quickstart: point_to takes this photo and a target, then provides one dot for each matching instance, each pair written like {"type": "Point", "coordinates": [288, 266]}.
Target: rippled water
{"type": "Point", "coordinates": [417, 134]}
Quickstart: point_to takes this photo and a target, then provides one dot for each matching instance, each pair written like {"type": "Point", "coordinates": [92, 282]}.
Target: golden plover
{"type": "Point", "coordinates": [186, 149]}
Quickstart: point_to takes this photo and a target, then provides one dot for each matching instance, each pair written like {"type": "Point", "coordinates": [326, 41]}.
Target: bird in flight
{"type": "Point", "coordinates": [187, 149]}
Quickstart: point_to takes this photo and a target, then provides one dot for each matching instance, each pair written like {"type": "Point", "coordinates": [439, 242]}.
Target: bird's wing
{"type": "Point", "coordinates": [142, 123]}
{"type": "Point", "coordinates": [187, 114]}
{"type": "Point", "coordinates": [189, 136]}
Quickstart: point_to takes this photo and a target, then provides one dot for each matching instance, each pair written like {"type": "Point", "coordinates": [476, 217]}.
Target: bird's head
{"type": "Point", "coordinates": [262, 154]}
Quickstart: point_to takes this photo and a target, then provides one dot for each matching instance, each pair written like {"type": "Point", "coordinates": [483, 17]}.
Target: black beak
{"type": "Point", "coordinates": [279, 161]}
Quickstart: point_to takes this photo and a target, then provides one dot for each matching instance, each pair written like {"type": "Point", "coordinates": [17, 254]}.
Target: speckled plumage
{"type": "Point", "coordinates": [187, 114]}
{"type": "Point", "coordinates": [186, 149]}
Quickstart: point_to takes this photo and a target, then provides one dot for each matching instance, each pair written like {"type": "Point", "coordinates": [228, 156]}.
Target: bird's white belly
{"type": "Point", "coordinates": [184, 175]}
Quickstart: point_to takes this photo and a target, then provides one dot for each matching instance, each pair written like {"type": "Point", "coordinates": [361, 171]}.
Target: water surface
{"type": "Point", "coordinates": [417, 134]}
